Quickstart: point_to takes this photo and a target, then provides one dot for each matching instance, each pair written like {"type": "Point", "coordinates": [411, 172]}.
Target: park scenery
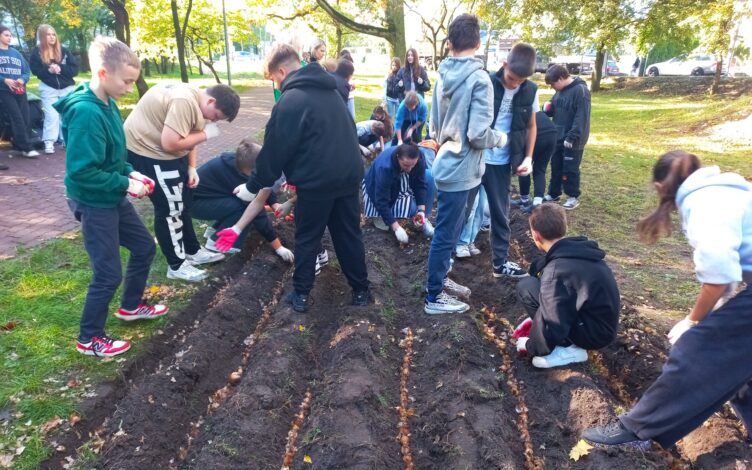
{"type": "Point", "coordinates": [259, 364]}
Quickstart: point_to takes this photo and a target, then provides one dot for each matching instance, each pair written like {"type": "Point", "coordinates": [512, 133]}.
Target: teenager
{"type": "Point", "coordinates": [96, 183]}
{"type": "Point", "coordinates": [570, 109]}
{"type": "Point", "coordinates": [371, 132]}
{"type": "Point", "coordinates": [345, 55]}
{"type": "Point", "coordinates": [14, 75]}
{"type": "Point", "coordinates": [318, 51]}
{"type": "Point", "coordinates": [162, 133]}
{"type": "Point", "coordinates": [708, 364]}
{"type": "Point", "coordinates": [545, 145]}
{"type": "Point", "coordinates": [571, 295]}
{"type": "Point", "coordinates": [411, 116]}
{"type": "Point", "coordinates": [413, 77]}
{"type": "Point", "coordinates": [56, 68]}
{"type": "Point", "coordinates": [461, 118]}
{"type": "Point", "coordinates": [393, 94]}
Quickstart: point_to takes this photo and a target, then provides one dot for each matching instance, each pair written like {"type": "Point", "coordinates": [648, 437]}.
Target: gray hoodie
{"type": "Point", "coordinates": [461, 118]}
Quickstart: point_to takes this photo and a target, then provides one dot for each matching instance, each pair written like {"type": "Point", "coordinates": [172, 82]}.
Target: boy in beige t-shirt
{"type": "Point", "coordinates": [162, 133]}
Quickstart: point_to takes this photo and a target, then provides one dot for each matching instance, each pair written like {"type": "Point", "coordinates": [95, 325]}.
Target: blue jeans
{"type": "Point", "coordinates": [105, 230]}
{"type": "Point", "coordinates": [450, 216]}
{"type": "Point", "coordinates": [430, 192]}
{"type": "Point", "coordinates": [473, 223]}
{"type": "Point", "coordinates": [391, 107]}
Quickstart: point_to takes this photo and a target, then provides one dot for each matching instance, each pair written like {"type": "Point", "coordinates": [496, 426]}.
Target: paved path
{"type": "Point", "coordinates": [32, 193]}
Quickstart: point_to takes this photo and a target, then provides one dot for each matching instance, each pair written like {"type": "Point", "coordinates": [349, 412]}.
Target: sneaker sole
{"type": "Point", "coordinates": [432, 311]}
{"type": "Point", "coordinates": [568, 208]}
{"type": "Point", "coordinates": [179, 278]}
{"type": "Point", "coordinates": [87, 352]}
{"type": "Point", "coordinates": [134, 318]}
{"type": "Point", "coordinates": [516, 276]}
{"type": "Point", "coordinates": [558, 365]}
{"type": "Point", "coordinates": [210, 261]}
{"type": "Point", "coordinates": [642, 446]}
{"type": "Point", "coordinates": [463, 256]}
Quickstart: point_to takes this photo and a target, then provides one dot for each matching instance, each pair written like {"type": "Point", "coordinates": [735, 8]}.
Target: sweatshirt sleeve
{"type": "Point", "coordinates": [556, 313]}
{"type": "Point", "coordinates": [383, 189]}
{"type": "Point", "coordinates": [37, 66]}
{"type": "Point", "coordinates": [418, 182]}
{"type": "Point", "coordinates": [422, 112]}
{"type": "Point", "coordinates": [716, 236]}
{"type": "Point", "coordinates": [281, 137]}
{"type": "Point", "coordinates": [426, 82]}
{"type": "Point", "coordinates": [401, 110]}
{"type": "Point", "coordinates": [70, 67]}
{"type": "Point", "coordinates": [90, 142]}
{"type": "Point", "coordinates": [581, 116]}
{"type": "Point", "coordinates": [25, 70]}
{"type": "Point", "coordinates": [479, 132]}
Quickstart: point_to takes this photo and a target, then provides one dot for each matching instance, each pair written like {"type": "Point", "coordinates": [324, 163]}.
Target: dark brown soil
{"type": "Point", "coordinates": [463, 412]}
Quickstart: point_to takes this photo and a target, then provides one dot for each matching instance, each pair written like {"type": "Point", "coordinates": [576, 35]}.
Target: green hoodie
{"type": "Point", "coordinates": [96, 167]}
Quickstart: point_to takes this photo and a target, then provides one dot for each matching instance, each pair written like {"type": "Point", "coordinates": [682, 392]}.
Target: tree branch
{"type": "Point", "coordinates": [298, 14]}
{"type": "Point", "coordinates": [385, 33]}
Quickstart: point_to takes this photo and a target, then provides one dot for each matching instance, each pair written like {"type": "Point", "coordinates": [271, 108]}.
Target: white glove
{"type": "Point", "coordinates": [243, 194]}
{"type": "Point", "coordinates": [401, 235]}
{"type": "Point", "coordinates": [679, 329]}
{"type": "Point", "coordinates": [526, 167]}
{"type": "Point", "coordinates": [192, 177]}
{"type": "Point", "coordinates": [144, 179]}
{"type": "Point", "coordinates": [567, 144]}
{"type": "Point", "coordinates": [502, 141]}
{"type": "Point", "coordinates": [285, 254]}
{"type": "Point", "coordinates": [211, 130]}
{"type": "Point", "coordinates": [284, 209]}
{"type": "Point", "coordinates": [522, 345]}
{"type": "Point", "coordinates": [137, 189]}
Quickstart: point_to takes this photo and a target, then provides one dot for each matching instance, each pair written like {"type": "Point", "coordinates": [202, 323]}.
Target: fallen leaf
{"type": "Point", "coordinates": [6, 460]}
{"type": "Point", "coordinates": [51, 424]}
{"type": "Point", "coordinates": [307, 459]}
{"type": "Point", "coordinates": [11, 325]}
{"type": "Point", "coordinates": [301, 328]}
{"type": "Point", "coordinates": [580, 450]}
{"type": "Point", "coordinates": [74, 418]}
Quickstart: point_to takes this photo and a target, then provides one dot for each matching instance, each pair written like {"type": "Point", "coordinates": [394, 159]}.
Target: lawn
{"type": "Point", "coordinates": [42, 290]}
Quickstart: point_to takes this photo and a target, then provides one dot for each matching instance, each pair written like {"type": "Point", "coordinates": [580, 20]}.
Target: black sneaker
{"type": "Point", "coordinates": [615, 434]}
{"type": "Point", "coordinates": [518, 201]}
{"type": "Point", "coordinates": [509, 269]}
{"type": "Point", "coordinates": [300, 302]}
{"type": "Point", "coordinates": [361, 298]}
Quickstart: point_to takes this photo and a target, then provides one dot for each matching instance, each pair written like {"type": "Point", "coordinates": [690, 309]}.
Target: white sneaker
{"type": "Point", "coordinates": [473, 249]}
{"type": "Point", "coordinates": [209, 232]}
{"type": "Point", "coordinates": [445, 303]}
{"type": "Point", "coordinates": [561, 356]}
{"type": "Point", "coordinates": [378, 222]}
{"type": "Point", "coordinates": [428, 228]}
{"type": "Point", "coordinates": [453, 288]}
{"type": "Point", "coordinates": [187, 272]}
{"type": "Point", "coordinates": [323, 258]}
{"type": "Point", "coordinates": [211, 245]}
{"type": "Point", "coordinates": [49, 147]}
{"type": "Point", "coordinates": [31, 154]}
{"type": "Point", "coordinates": [462, 251]}
{"type": "Point", "coordinates": [572, 203]}
{"type": "Point", "coordinates": [549, 198]}
{"type": "Point", "coordinates": [204, 256]}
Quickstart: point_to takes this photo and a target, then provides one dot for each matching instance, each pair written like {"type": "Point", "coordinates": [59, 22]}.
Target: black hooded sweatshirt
{"type": "Point", "coordinates": [311, 137]}
{"type": "Point", "coordinates": [579, 299]}
{"type": "Point", "coordinates": [570, 109]}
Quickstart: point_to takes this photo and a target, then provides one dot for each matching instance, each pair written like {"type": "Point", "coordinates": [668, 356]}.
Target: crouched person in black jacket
{"type": "Point", "coordinates": [311, 137]}
{"type": "Point", "coordinates": [571, 295]}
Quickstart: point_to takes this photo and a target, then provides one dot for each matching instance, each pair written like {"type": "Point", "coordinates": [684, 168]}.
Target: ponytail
{"type": "Point", "coordinates": [669, 173]}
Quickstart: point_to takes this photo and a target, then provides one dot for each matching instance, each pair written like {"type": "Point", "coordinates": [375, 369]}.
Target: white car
{"type": "Point", "coordinates": [694, 64]}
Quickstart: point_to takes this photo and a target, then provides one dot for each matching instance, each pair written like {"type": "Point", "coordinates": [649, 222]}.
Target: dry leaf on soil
{"type": "Point", "coordinates": [580, 450]}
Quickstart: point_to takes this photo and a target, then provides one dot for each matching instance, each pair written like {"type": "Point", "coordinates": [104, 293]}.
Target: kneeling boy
{"type": "Point", "coordinates": [571, 295]}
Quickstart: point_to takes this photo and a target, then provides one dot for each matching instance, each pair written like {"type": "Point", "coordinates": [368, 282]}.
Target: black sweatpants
{"type": "Point", "coordinates": [544, 149]}
{"type": "Point", "coordinates": [708, 366]}
{"type": "Point", "coordinates": [17, 109]}
{"type": "Point", "coordinates": [172, 200]}
{"type": "Point", "coordinates": [565, 171]}
{"type": "Point", "coordinates": [313, 214]}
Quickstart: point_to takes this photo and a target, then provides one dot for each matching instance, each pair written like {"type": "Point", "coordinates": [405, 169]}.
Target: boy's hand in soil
{"type": "Point", "coordinates": [226, 238]}
{"type": "Point", "coordinates": [522, 346]}
{"type": "Point", "coordinates": [241, 191]}
{"type": "Point", "coordinates": [523, 329]}
{"type": "Point", "coordinates": [285, 254]}
{"type": "Point", "coordinates": [526, 167]}
{"type": "Point", "coordinates": [284, 209]}
{"type": "Point", "coordinates": [400, 233]}
{"type": "Point", "coordinates": [679, 329]}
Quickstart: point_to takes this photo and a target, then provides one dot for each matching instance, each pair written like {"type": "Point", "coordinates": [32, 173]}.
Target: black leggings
{"type": "Point", "coordinates": [544, 148]}
{"type": "Point", "coordinates": [16, 107]}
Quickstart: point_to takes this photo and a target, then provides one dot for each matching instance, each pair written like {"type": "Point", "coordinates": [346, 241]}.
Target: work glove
{"type": "Point", "coordinates": [401, 235]}
{"type": "Point", "coordinates": [135, 175]}
{"type": "Point", "coordinates": [502, 141]}
{"type": "Point", "coordinates": [211, 130]}
{"type": "Point", "coordinates": [526, 167]}
{"type": "Point", "coordinates": [568, 144]}
{"type": "Point", "coordinates": [192, 177]}
{"type": "Point", "coordinates": [419, 219]}
{"type": "Point", "coordinates": [679, 329]}
{"type": "Point", "coordinates": [226, 238]}
{"type": "Point", "coordinates": [243, 194]}
{"type": "Point", "coordinates": [284, 209]}
{"type": "Point", "coordinates": [285, 254]}
{"type": "Point", "coordinates": [522, 346]}
{"type": "Point", "coordinates": [137, 189]}
{"type": "Point", "coordinates": [523, 329]}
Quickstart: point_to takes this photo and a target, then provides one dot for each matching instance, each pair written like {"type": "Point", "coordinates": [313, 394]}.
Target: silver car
{"type": "Point", "coordinates": [692, 64]}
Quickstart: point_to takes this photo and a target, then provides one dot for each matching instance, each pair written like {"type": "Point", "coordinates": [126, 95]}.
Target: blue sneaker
{"type": "Point", "coordinates": [300, 302]}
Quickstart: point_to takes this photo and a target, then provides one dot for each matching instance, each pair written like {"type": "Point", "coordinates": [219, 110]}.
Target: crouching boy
{"type": "Point", "coordinates": [96, 183]}
{"type": "Point", "coordinates": [571, 295]}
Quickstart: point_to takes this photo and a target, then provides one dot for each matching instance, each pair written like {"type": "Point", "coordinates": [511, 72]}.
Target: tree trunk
{"type": "Point", "coordinates": [715, 87]}
{"type": "Point", "coordinates": [123, 33]}
{"type": "Point", "coordinates": [595, 85]}
{"type": "Point", "coordinates": [180, 38]}
{"type": "Point", "coordinates": [146, 66]}
{"type": "Point", "coordinates": [485, 49]}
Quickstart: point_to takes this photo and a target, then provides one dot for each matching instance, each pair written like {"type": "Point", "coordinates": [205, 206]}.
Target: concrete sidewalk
{"type": "Point", "coordinates": [32, 194]}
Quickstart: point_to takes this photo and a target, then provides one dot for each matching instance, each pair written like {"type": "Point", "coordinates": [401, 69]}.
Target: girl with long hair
{"type": "Point", "coordinates": [393, 94]}
{"type": "Point", "coordinates": [55, 67]}
{"type": "Point", "coordinates": [14, 75]}
{"type": "Point", "coordinates": [413, 77]}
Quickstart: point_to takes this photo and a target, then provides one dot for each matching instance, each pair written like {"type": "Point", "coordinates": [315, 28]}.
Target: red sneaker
{"type": "Point", "coordinates": [103, 346]}
{"type": "Point", "coordinates": [142, 312]}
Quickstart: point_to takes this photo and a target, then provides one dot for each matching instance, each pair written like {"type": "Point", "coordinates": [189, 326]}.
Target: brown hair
{"type": "Point", "coordinates": [46, 52]}
{"type": "Point", "coordinates": [555, 73]}
{"type": "Point", "coordinates": [111, 54]}
{"type": "Point", "coordinates": [399, 66]}
{"type": "Point", "coordinates": [411, 99]}
{"type": "Point", "coordinates": [549, 220]}
{"type": "Point", "coordinates": [345, 69]}
{"type": "Point", "coordinates": [464, 33]}
{"type": "Point", "coordinates": [246, 154]}
{"type": "Point", "coordinates": [330, 65]}
{"type": "Point", "coordinates": [280, 54]}
{"type": "Point", "coordinates": [387, 120]}
{"type": "Point", "coordinates": [416, 63]}
{"type": "Point", "coordinates": [669, 172]}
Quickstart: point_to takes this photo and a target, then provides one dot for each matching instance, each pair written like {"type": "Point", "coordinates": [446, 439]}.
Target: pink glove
{"type": "Point", "coordinates": [523, 329]}
{"type": "Point", "coordinates": [226, 238]}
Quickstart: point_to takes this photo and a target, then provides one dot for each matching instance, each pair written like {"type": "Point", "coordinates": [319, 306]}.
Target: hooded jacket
{"type": "Point", "coordinates": [577, 292]}
{"type": "Point", "coordinates": [68, 69]}
{"type": "Point", "coordinates": [716, 213]}
{"type": "Point", "coordinates": [96, 170]}
{"type": "Point", "coordinates": [570, 109]}
{"type": "Point", "coordinates": [310, 137]}
{"type": "Point", "coordinates": [219, 176]}
{"type": "Point", "coordinates": [406, 75]}
{"type": "Point", "coordinates": [461, 118]}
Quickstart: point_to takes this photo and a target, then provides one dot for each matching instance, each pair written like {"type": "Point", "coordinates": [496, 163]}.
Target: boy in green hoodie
{"type": "Point", "coordinates": [96, 183]}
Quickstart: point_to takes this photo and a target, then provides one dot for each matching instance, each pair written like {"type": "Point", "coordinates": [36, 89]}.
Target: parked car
{"type": "Point", "coordinates": [693, 64]}
{"type": "Point", "coordinates": [612, 68]}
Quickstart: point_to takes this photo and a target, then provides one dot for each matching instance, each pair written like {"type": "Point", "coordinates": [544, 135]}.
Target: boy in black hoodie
{"type": "Point", "coordinates": [308, 119]}
{"type": "Point", "coordinates": [571, 295]}
{"type": "Point", "coordinates": [570, 109]}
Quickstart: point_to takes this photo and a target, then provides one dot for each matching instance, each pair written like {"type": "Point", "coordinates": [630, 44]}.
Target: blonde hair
{"type": "Point", "coordinates": [246, 154]}
{"type": "Point", "coordinates": [411, 99]}
{"type": "Point", "coordinates": [111, 54]}
{"type": "Point", "coordinates": [46, 52]}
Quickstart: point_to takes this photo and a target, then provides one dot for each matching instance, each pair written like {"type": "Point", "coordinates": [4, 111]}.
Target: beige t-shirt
{"type": "Point", "coordinates": [174, 105]}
